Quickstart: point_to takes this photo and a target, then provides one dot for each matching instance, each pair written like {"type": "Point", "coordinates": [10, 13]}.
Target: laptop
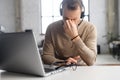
{"type": "Point", "coordinates": [19, 53]}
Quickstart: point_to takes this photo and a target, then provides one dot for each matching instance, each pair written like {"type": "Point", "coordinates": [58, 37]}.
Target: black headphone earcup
{"type": "Point", "coordinates": [82, 14]}
{"type": "Point", "coordinates": [61, 11]}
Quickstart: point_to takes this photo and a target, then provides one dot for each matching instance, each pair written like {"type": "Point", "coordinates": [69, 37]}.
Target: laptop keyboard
{"type": "Point", "coordinates": [48, 70]}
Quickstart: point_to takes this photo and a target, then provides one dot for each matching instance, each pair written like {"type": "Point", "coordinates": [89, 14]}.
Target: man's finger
{"type": "Point", "coordinates": [77, 57]}
{"type": "Point", "coordinates": [71, 60]}
{"type": "Point", "coordinates": [68, 24]}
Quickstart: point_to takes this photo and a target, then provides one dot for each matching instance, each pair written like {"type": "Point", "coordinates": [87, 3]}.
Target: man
{"type": "Point", "coordinates": [72, 39]}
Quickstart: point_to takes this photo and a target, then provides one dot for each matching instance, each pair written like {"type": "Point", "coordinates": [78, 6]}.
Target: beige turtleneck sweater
{"type": "Point", "coordinates": [58, 46]}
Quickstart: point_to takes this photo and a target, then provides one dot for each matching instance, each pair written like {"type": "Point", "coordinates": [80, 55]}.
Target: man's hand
{"type": "Point", "coordinates": [73, 60]}
{"type": "Point", "coordinates": [70, 28]}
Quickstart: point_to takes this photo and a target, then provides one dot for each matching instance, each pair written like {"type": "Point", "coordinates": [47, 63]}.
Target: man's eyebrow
{"type": "Point", "coordinates": [66, 18]}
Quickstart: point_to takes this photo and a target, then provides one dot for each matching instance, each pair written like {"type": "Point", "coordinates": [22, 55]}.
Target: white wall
{"type": "Point", "coordinates": [7, 15]}
{"type": "Point", "coordinates": [30, 16]}
{"type": "Point", "coordinates": [98, 17]}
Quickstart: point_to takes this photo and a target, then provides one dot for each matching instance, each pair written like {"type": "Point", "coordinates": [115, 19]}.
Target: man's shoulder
{"type": "Point", "coordinates": [87, 24]}
{"type": "Point", "coordinates": [55, 26]}
{"type": "Point", "coordinates": [56, 23]}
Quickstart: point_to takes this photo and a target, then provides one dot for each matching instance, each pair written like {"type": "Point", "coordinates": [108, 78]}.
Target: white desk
{"type": "Point", "coordinates": [82, 73]}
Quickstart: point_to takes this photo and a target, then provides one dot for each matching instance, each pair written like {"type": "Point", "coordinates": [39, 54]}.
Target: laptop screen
{"type": "Point", "coordinates": [19, 53]}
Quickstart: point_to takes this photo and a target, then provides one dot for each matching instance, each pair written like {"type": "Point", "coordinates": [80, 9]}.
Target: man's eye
{"type": "Point", "coordinates": [73, 19]}
{"type": "Point", "coordinates": [65, 19]}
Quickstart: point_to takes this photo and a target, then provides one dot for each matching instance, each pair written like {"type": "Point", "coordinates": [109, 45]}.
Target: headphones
{"type": "Point", "coordinates": [82, 13]}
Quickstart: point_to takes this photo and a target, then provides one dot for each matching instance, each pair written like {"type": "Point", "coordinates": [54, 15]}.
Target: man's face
{"type": "Point", "coordinates": [73, 15]}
